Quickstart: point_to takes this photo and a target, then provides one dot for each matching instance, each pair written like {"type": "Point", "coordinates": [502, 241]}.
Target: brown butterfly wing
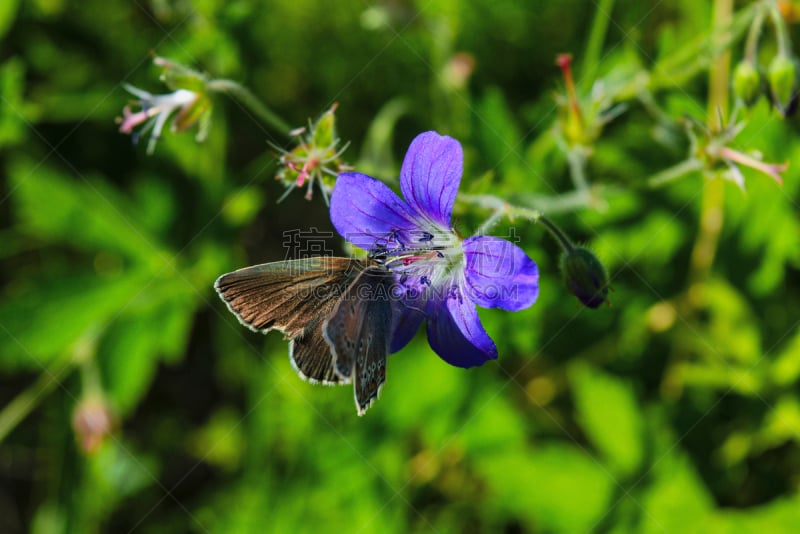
{"type": "Point", "coordinates": [293, 297]}
{"type": "Point", "coordinates": [358, 332]}
{"type": "Point", "coordinates": [310, 356]}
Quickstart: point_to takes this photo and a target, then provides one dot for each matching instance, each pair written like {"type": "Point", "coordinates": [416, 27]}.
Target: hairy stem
{"type": "Point", "coordinates": [673, 173]}
{"type": "Point", "coordinates": [719, 75]}
{"type": "Point", "coordinates": [711, 212]}
{"type": "Point", "coordinates": [751, 45]}
{"type": "Point", "coordinates": [502, 209]}
{"type": "Point", "coordinates": [576, 157]}
{"type": "Point", "coordinates": [249, 100]}
{"type": "Point", "coordinates": [781, 33]}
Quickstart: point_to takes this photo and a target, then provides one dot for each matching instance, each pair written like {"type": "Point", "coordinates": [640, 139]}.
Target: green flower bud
{"type": "Point", "coordinates": [585, 276]}
{"type": "Point", "coordinates": [176, 76]}
{"type": "Point", "coordinates": [315, 159]}
{"type": "Point", "coordinates": [783, 83]}
{"type": "Point", "coordinates": [324, 133]}
{"type": "Point", "coordinates": [747, 82]}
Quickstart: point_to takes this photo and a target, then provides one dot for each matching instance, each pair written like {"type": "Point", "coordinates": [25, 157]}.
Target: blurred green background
{"type": "Point", "coordinates": [675, 409]}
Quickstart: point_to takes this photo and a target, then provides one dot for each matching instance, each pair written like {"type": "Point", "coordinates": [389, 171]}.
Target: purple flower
{"type": "Point", "coordinates": [440, 277]}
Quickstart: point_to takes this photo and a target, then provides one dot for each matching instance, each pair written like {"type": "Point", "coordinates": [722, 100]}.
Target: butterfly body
{"type": "Point", "coordinates": [358, 332]}
{"type": "Point", "coordinates": [335, 311]}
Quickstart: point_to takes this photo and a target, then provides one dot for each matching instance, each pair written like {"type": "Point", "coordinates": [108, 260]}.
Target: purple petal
{"type": "Point", "coordinates": [364, 210]}
{"type": "Point", "coordinates": [499, 274]}
{"type": "Point", "coordinates": [406, 322]}
{"type": "Point", "coordinates": [431, 174]}
{"type": "Point", "coordinates": [456, 334]}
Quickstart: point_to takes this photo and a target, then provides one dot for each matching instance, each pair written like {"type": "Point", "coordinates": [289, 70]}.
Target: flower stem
{"type": "Point", "coordinates": [673, 173]}
{"type": "Point", "coordinates": [719, 74]}
{"type": "Point", "coordinates": [711, 212]}
{"type": "Point", "coordinates": [504, 209]}
{"type": "Point", "coordinates": [576, 157]}
{"type": "Point", "coordinates": [244, 96]}
{"type": "Point", "coordinates": [751, 45]}
{"type": "Point", "coordinates": [564, 203]}
{"type": "Point", "coordinates": [558, 235]}
{"type": "Point", "coordinates": [781, 34]}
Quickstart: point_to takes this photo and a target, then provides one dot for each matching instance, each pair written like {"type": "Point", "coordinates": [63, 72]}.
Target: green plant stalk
{"type": "Point", "coordinates": [24, 403]}
{"type": "Point", "coordinates": [711, 212]}
{"type": "Point", "coordinates": [564, 203]}
{"type": "Point", "coordinates": [719, 74]}
{"type": "Point", "coordinates": [781, 33]}
{"type": "Point", "coordinates": [751, 45]}
{"type": "Point", "coordinates": [576, 158]}
{"type": "Point", "coordinates": [673, 173]}
{"type": "Point", "coordinates": [504, 209]}
{"type": "Point", "coordinates": [594, 45]}
{"type": "Point", "coordinates": [249, 100]}
{"type": "Point", "coordinates": [90, 377]}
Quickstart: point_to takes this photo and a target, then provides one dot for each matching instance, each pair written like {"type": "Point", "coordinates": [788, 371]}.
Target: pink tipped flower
{"type": "Point", "coordinates": [582, 116]}
{"type": "Point", "coordinates": [188, 107]}
{"type": "Point", "coordinates": [773, 170]}
{"type": "Point", "coordinates": [712, 149]}
{"type": "Point", "coordinates": [317, 158]}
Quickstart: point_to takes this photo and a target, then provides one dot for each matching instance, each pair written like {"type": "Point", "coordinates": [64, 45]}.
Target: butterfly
{"type": "Point", "coordinates": [336, 312]}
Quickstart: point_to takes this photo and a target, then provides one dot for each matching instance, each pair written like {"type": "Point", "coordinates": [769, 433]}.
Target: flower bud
{"type": "Point", "coordinates": [747, 82]}
{"type": "Point", "coordinates": [315, 159]}
{"type": "Point", "coordinates": [782, 76]}
{"type": "Point", "coordinates": [92, 422]}
{"type": "Point", "coordinates": [585, 276]}
{"type": "Point", "coordinates": [176, 76]}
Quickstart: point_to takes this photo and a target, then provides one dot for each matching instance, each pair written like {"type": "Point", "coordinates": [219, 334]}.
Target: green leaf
{"type": "Point", "coordinates": [119, 470]}
{"type": "Point", "coordinates": [45, 319]}
{"type": "Point", "coordinates": [780, 425]}
{"type": "Point", "coordinates": [608, 411]}
{"type": "Point", "coordinates": [493, 424]}
{"type": "Point", "coordinates": [554, 488]}
{"type": "Point", "coordinates": [8, 11]}
{"type": "Point", "coordinates": [129, 359]}
{"type": "Point", "coordinates": [676, 500]}
{"type": "Point", "coordinates": [135, 344]}
{"type": "Point", "coordinates": [220, 441]}
{"type": "Point", "coordinates": [376, 158]}
{"type": "Point", "coordinates": [653, 243]}
{"type": "Point", "coordinates": [499, 138]}
{"type": "Point", "coordinates": [781, 515]}
{"type": "Point", "coordinates": [733, 329]}
{"type": "Point", "coordinates": [79, 211]}
{"type": "Point", "coordinates": [786, 367]}
{"type": "Point", "coordinates": [50, 518]}
{"type": "Point", "coordinates": [13, 127]}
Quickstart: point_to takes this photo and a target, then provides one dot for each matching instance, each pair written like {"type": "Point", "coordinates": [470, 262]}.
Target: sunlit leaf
{"type": "Point", "coordinates": [44, 320]}
{"type": "Point", "coordinates": [80, 211]}
{"type": "Point", "coordinates": [609, 412]}
{"type": "Point", "coordinates": [556, 488]}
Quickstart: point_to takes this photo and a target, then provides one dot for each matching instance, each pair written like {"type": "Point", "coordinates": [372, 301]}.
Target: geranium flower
{"type": "Point", "coordinates": [442, 277]}
{"type": "Point", "coordinates": [189, 107]}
